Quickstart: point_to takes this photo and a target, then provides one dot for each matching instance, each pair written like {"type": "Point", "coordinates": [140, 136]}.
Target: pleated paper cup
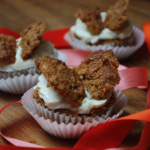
{"type": "Point", "coordinates": [121, 52]}
{"type": "Point", "coordinates": [69, 127]}
{"type": "Point", "coordinates": [18, 82]}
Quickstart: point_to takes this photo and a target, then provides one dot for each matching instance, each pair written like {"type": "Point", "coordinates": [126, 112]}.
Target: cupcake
{"type": "Point", "coordinates": [95, 30]}
{"type": "Point", "coordinates": [82, 96]}
{"type": "Point", "coordinates": [17, 57]}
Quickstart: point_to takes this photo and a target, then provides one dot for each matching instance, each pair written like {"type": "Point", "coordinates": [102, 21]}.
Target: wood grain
{"type": "Point", "coordinates": [15, 121]}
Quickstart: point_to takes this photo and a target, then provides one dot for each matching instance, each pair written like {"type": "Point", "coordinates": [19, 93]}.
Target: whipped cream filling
{"type": "Point", "coordinates": [53, 101]}
{"type": "Point", "coordinates": [45, 48]}
{"type": "Point", "coordinates": [81, 30]}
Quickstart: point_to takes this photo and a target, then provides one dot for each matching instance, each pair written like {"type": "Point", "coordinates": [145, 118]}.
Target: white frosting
{"type": "Point", "coordinates": [45, 48]}
{"type": "Point", "coordinates": [53, 101]}
{"type": "Point", "coordinates": [103, 16]}
{"type": "Point", "coordinates": [81, 30]}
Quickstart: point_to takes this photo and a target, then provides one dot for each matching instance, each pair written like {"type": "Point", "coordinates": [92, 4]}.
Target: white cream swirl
{"type": "Point", "coordinates": [45, 48]}
{"type": "Point", "coordinates": [81, 30]}
{"type": "Point", "coordinates": [53, 101]}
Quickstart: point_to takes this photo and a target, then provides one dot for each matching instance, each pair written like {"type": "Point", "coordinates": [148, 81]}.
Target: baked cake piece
{"type": "Point", "coordinates": [92, 19]}
{"type": "Point", "coordinates": [31, 37]}
{"type": "Point", "coordinates": [7, 49]}
{"type": "Point", "coordinates": [99, 73]}
{"type": "Point", "coordinates": [117, 15]}
{"type": "Point", "coordinates": [62, 79]}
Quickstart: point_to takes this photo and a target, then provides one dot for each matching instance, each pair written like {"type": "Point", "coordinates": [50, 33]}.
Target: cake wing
{"type": "Point", "coordinates": [117, 15]}
{"type": "Point", "coordinates": [7, 49]}
{"type": "Point", "coordinates": [99, 73]}
{"type": "Point", "coordinates": [31, 37]}
{"type": "Point", "coordinates": [62, 79]}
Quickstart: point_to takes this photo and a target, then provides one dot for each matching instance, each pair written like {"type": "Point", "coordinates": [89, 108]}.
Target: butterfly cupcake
{"type": "Point", "coordinates": [67, 102]}
{"type": "Point", "coordinates": [95, 30]}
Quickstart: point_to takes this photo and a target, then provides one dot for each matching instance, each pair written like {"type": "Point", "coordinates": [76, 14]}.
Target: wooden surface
{"type": "Point", "coordinates": [16, 14]}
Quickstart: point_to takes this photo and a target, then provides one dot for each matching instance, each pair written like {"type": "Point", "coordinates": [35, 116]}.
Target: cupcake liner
{"type": "Point", "coordinates": [68, 127]}
{"type": "Point", "coordinates": [121, 53]}
{"type": "Point", "coordinates": [32, 71]}
{"type": "Point", "coordinates": [18, 82]}
{"type": "Point", "coordinates": [61, 56]}
{"type": "Point", "coordinates": [18, 85]}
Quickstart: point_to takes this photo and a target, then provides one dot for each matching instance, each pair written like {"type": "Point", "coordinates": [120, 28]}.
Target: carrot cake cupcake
{"type": "Point", "coordinates": [21, 53]}
{"type": "Point", "coordinates": [67, 102]}
{"type": "Point", "coordinates": [99, 28]}
{"type": "Point", "coordinates": [96, 30]}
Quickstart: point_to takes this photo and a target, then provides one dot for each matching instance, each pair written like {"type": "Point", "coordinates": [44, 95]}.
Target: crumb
{"type": "Point", "coordinates": [31, 37]}
{"type": "Point", "coordinates": [117, 15]}
{"type": "Point", "coordinates": [92, 19]}
{"type": "Point", "coordinates": [7, 49]}
{"type": "Point", "coordinates": [32, 141]}
{"type": "Point", "coordinates": [99, 73]}
{"type": "Point", "coordinates": [62, 79]}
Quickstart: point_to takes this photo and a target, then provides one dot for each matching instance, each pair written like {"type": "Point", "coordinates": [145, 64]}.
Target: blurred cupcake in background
{"type": "Point", "coordinates": [18, 72]}
{"type": "Point", "coordinates": [95, 30]}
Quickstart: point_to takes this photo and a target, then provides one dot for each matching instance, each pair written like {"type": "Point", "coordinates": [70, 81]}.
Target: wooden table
{"type": "Point", "coordinates": [15, 121]}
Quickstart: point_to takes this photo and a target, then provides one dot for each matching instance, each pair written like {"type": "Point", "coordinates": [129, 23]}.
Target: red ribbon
{"type": "Point", "coordinates": [9, 32]}
{"type": "Point", "coordinates": [146, 30]}
{"type": "Point", "coordinates": [110, 134]}
{"type": "Point", "coordinates": [56, 37]}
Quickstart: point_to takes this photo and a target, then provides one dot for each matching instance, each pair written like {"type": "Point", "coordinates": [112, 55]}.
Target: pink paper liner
{"type": "Point", "coordinates": [120, 52]}
{"type": "Point", "coordinates": [18, 82]}
{"type": "Point", "coordinates": [68, 127]}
